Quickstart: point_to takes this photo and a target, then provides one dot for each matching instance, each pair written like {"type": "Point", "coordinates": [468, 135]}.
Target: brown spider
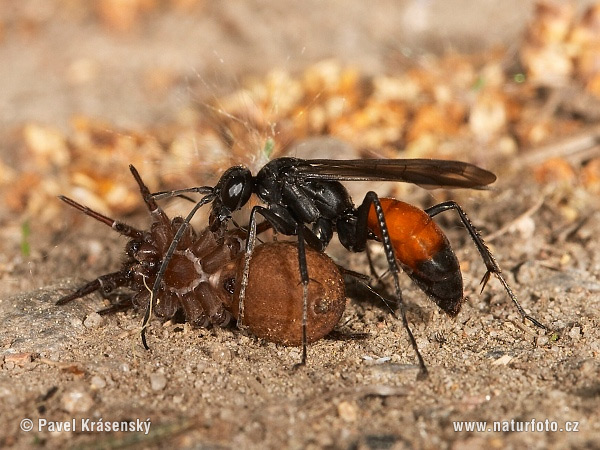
{"type": "Point", "coordinates": [191, 282]}
{"type": "Point", "coordinates": [202, 278]}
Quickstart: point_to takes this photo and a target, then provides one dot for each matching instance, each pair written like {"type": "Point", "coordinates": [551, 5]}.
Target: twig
{"type": "Point", "coordinates": [510, 224]}
{"type": "Point", "coordinates": [575, 149]}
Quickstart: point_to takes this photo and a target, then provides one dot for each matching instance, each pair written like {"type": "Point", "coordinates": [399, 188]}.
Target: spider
{"type": "Point", "coordinates": [191, 283]}
{"type": "Point", "coordinates": [202, 279]}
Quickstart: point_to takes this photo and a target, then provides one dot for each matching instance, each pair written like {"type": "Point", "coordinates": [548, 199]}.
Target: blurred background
{"type": "Point", "coordinates": [134, 62]}
{"type": "Point", "coordinates": [183, 89]}
{"type": "Point", "coordinates": [186, 88]}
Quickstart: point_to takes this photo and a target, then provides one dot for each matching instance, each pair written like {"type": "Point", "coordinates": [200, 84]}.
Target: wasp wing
{"type": "Point", "coordinates": [427, 173]}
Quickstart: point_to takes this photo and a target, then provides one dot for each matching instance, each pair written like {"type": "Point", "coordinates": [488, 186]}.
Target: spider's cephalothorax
{"type": "Point", "coordinates": [191, 280]}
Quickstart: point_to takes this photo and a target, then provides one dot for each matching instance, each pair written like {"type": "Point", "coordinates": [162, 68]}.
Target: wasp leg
{"type": "Point", "coordinates": [488, 259]}
{"type": "Point", "coordinates": [283, 222]}
{"type": "Point", "coordinates": [371, 199]}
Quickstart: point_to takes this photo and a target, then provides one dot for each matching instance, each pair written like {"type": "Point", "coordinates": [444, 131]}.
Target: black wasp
{"type": "Point", "coordinates": [305, 198]}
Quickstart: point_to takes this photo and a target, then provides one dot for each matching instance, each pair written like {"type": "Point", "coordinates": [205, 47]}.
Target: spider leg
{"type": "Point", "coordinates": [107, 283]}
{"type": "Point", "coordinates": [119, 227]}
{"type": "Point", "coordinates": [148, 198]}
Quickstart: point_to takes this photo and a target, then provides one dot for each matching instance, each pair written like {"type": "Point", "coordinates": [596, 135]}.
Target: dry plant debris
{"type": "Point", "coordinates": [530, 109]}
{"type": "Point", "coordinates": [456, 106]}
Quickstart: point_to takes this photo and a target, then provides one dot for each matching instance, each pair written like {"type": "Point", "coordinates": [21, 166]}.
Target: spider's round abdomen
{"type": "Point", "coordinates": [423, 251]}
{"type": "Point", "coordinates": [273, 303]}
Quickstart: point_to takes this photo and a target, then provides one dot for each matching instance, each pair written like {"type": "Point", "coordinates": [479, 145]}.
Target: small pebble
{"type": "Point", "coordinates": [575, 333]}
{"type": "Point", "coordinates": [347, 411]}
{"type": "Point", "coordinates": [98, 382]}
{"type": "Point", "coordinates": [54, 356]}
{"type": "Point", "coordinates": [471, 331]}
{"type": "Point", "coordinates": [93, 320]}
{"type": "Point", "coordinates": [502, 361]}
{"type": "Point", "coordinates": [542, 340]}
{"type": "Point", "coordinates": [77, 401]}
{"type": "Point", "coordinates": [158, 381]}
{"type": "Point", "coordinates": [422, 343]}
{"type": "Point", "coordinates": [221, 354]}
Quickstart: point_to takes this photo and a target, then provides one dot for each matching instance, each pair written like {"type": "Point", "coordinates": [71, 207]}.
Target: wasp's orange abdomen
{"type": "Point", "coordinates": [423, 251]}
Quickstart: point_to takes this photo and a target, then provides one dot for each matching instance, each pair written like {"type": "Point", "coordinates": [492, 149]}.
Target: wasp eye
{"type": "Point", "coordinates": [235, 188]}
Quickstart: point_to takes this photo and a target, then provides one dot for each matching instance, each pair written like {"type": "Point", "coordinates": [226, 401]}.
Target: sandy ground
{"type": "Point", "coordinates": [222, 388]}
